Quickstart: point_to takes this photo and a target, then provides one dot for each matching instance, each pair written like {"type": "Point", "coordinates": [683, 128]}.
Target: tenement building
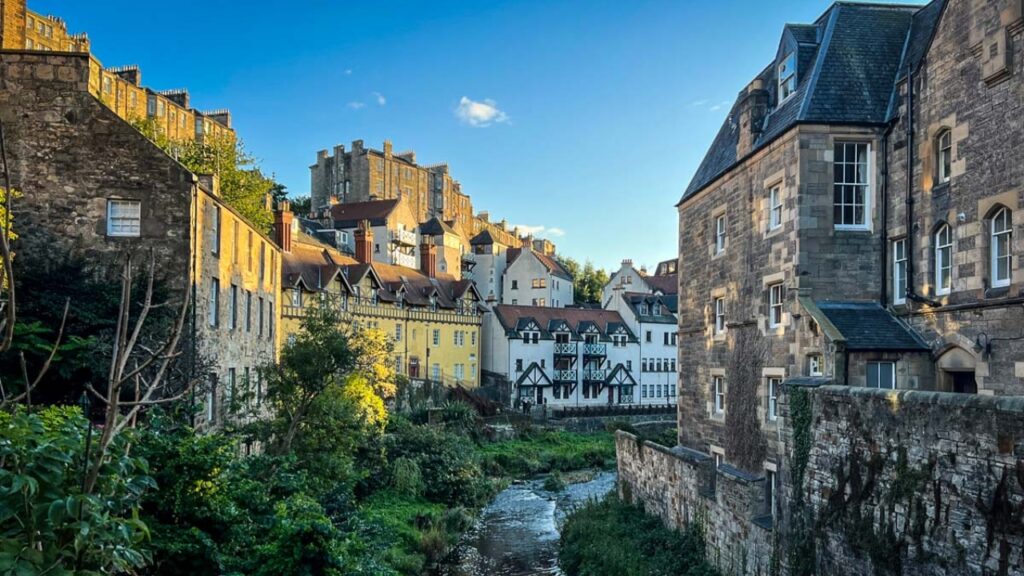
{"type": "Point", "coordinates": [562, 357]}
{"type": "Point", "coordinates": [432, 318]}
{"type": "Point", "coordinates": [94, 190]}
{"type": "Point", "coordinates": [850, 304]}
{"type": "Point", "coordinates": [120, 88]}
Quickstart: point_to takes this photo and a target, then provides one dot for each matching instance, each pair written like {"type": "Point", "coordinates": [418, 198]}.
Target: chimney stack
{"type": "Point", "coordinates": [283, 219]}
{"type": "Point", "coordinates": [364, 242]}
{"type": "Point", "coordinates": [428, 258]}
{"type": "Point", "coordinates": [751, 113]}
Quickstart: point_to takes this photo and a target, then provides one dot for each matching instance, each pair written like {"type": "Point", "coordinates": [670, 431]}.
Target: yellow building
{"type": "Point", "coordinates": [432, 318]}
{"type": "Point", "coordinates": [120, 88]}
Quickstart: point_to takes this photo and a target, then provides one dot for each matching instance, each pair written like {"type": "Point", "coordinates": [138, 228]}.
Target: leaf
{"type": "Point", "coordinates": [56, 512]}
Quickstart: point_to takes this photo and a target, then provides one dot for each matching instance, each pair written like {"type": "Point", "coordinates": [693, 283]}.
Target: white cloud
{"type": "Point", "coordinates": [356, 105]}
{"type": "Point", "coordinates": [381, 100]}
{"type": "Point", "coordinates": [698, 103]}
{"type": "Point", "coordinates": [348, 72]}
{"type": "Point", "coordinates": [719, 106]}
{"type": "Point", "coordinates": [480, 114]}
{"type": "Point", "coordinates": [539, 230]}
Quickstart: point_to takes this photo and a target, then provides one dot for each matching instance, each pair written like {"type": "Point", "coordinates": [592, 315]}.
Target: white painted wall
{"type": "Point", "coordinates": [557, 292]}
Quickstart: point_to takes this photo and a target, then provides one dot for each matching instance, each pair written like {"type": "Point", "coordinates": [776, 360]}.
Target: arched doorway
{"type": "Point", "coordinates": [956, 371]}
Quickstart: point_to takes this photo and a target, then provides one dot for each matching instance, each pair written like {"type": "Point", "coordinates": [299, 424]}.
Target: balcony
{"type": "Point", "coordinates": [595, 349]}
{"type": "Point", "coordinates": [564, 376]}
{"type": "Point", "coordinates": [595, 375]}
{"type": "Point", "coordinates": [403, 237]}
{"type": "Point", "coordinates": [403, 259]}
{"type": "Point", "coordinates": [565, 348]}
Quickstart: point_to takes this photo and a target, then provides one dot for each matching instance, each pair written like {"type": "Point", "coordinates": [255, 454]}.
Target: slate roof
{"type": "Point", "coordinates": [483, 238]}
{"type": "Point", "coordinates": [516, 318]}
{"type": "Point", "coordinates": [634, 299]}
{"type": "Point", "coordinates": [846, 77]}
{"type": "Point", "coordinates": [666, 284]}
{"type": "Point", "coordinates": [550, 263]}
{"type": "Point", "coordinates": [868, 326]}
{"type": "Point", "coordinates": [348, 215]}
{"type": "Point", "coordinates": [436, 227]}
{"type": "Point", "coordinates": [312, 264]}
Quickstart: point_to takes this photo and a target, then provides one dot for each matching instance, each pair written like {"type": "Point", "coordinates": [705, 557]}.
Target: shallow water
{"type": "Point", "coordinates": [517, 533]}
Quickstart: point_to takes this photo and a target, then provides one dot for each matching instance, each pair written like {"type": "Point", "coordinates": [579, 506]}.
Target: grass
{"type": "Point", "coordinates": [612, 538]}
{"type": "Point", "coordinates": [547, 451]}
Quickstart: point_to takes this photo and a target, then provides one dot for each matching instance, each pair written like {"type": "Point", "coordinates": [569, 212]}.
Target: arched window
{"type": "Point", "coordinates": [943, 259]}
{"type": "Point", "coordinates": [1002, 227]}
{"type": "Point", "coordinates": [943, 156]}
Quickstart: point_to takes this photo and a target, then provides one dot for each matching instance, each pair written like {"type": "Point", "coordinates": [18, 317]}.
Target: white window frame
{"type": "Point", "coordinates": [718, 390]}
{"type": "Point", "coordinates": [720, 233]}
{"type": "Point", "coordinates": [719, 311]}
{"type": "Point", "coordinates": [215, 231]}
{"type": "Point", "coordinates": [772, 412]}
{"type": "Point", "coordinates": [944, 156]}
{"type": "Point", "coordinates": [775, 305]}
{"type": "Point", "coordinates": [943, 259]}
{"type": "Point", "coordinates": [815, 365]}
{"type": "Point", "coordinates": [878, 365]}
{"type": "Point", "coordinates": [839, 223]}
{"type": "Point", "coordinates": [774, 207]}
{"type": "Point", "coordinates": [786, 72]}
{"type": "Point", "coordinates": [899, 271]}
{"type": "Point", "coordinates": [213, 314]}
{"type": "Point", "coordinates": [1001, 248]}
{"type": "Point", "coordinates": [124, 218]}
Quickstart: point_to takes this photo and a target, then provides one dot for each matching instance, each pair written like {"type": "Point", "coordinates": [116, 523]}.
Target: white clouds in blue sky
{"type": "Point", "coordinates": [480, 114]}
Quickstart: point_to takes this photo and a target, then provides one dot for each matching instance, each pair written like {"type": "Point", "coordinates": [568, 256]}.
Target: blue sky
{"type": "Point", "coordinates": [585, 118]}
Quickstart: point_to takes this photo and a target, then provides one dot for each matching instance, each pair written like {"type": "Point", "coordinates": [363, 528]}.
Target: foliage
{"type": "Point", "coordinates": [548, 451]}
{"type": "Point", "coordinates": [613, 538]}
{"type": "Point", "coordinates": [744, 442]}
{"type": "Point", "coordinates": [302, 205]}
{"type": "Point", "coordinates": [7, 223]}
{"type": "Point", "coordinates": [587, 281]}
{"type": "Point", "coordinates": [242, 184]}
{"type": "Point", "coordinates": [47, 525]}
{"type": "Point", "coordinates": [374, 353]}
{"type": "Point", "coordinates": [801, 552]}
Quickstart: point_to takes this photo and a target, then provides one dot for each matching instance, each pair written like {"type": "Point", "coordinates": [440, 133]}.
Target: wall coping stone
{"type": "Point", "coordinates": [738, 474]}
{"type": "Point", "coordinates": [1001, 404]}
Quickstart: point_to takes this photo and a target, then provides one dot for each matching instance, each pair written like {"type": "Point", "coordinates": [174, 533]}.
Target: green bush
{"type": "Point", "coordinates": [612, 538]}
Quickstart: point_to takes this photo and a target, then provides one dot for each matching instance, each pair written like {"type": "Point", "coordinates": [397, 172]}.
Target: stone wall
{"type": "Point", "coordinates": [895, 482]}
{"type": "Point", "coordinates": [681, 486]}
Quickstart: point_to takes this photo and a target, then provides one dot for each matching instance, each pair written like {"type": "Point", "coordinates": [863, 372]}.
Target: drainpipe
{"type": "Point", "coordinates": [911, 294]}
{"type": "Point", "coordinates": [883, 296]}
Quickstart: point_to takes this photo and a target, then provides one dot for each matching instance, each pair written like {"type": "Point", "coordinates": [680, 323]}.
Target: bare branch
{"type": "Point", "coordinates": [29, 386]}
{"type": "Point", "coordinates": [10, 310]}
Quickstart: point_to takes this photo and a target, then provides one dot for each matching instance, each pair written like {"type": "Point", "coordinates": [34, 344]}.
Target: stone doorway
{"type": "Point", "coordinates": [956, 369]}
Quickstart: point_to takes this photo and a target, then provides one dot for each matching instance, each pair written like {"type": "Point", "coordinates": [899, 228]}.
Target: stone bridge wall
{"type": "Point", "coordinates": [895, 482]}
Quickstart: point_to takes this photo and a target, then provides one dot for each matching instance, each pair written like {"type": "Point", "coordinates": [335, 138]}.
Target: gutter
{"type": "Point", "coordinates": [911, 294]}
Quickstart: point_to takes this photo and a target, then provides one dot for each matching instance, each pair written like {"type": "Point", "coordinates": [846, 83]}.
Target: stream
{"type": "Point", "coordinates": [517, 533]}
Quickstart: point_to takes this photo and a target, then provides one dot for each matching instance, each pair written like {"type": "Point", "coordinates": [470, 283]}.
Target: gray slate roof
{"type": "Point", "coordinates": [847, 65]}
{"type": "Point", "coordinates": [868, 326]}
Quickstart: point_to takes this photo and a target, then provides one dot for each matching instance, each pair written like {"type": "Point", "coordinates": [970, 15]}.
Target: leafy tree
{"type": "Point", "coordinates": [48, 525]}
{"type": "Point", "coordinates": [587, 281]}
{"type": "Point", "coordinates": [374, 352]}
{"type": "Point", "coordinates": [302, 205]}
{"type": "Point", "coordinates": [242, 184]}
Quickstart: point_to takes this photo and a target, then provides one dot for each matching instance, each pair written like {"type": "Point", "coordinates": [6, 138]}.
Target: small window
{"type": "Point", "coordinates": [943, 260]}
{"type": "Point", "coordinates": [720, 234]}
{"type": "Point", "coordinates": [515, 284]}
{"type": "Point", "coordinates": [771, 487]}
{"type": "Point", "coordinates": [124, 218]}
{"type": "Point", "coordinates": [899, 271]}
{"type": "Point", "coordinates": [882, 375]}
{"type": "Point", "coordinates": [1002, 227]}
{"type": "Point", "coordinates": [773, 398]}
{"type": "Point", "coordinates": [787, 76]}
{"type": "Point", "coordinates": [815, 365]}
{"type": "Point", "coordinates": [944, 156]}
{"type": "Point", "coordinates": [297, 297]}
{"type": "Point", "coordinates": [718, 384]}
{"type": "Point", "coordinates": [215, 231]}
{"type": "Point", "coordinates": [398, 332]}
{"type": "Point", "coordinates": [850, 181]}
{"type": "Point", "coordinates": [775, 207]}
{"type": "Point", "coordinates": [775, 305]}
{"type": "Point", "coordinates": [233, 310]}
{"type": "Point", "coordinates": [519, 364]}
{"type": "Point", "coordinates": [648, 336]}
{"type": "Point", "coordinates": [719, 315]}
{"type": "Point", "coordinates": [436, 338]}
{"type": "Point", "coordinates": [214, 301]}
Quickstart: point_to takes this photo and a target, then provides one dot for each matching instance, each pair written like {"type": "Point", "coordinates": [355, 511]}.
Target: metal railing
{"type": "Point", "coordinates": [406, 237]}
{"type": "Point", "coordinates": [595, 375]}
{"type": "Point", "coordinates": [595, 349]}
{"type": "Point", "coordinates": [565, 348]}
{"type": "Point", "coordinates": [565, 375]}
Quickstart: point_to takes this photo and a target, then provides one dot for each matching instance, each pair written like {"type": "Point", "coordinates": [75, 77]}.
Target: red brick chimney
{"type": "Point", "coordinates": [283, 219]}
{"type": "Point", "coordinates": [364, 242]}
{"type": "Point", "coordinates": [428, 259]}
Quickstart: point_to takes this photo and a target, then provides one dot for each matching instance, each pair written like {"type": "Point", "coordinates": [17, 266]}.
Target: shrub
{"type": "Point", "coordinates": [406, 477]}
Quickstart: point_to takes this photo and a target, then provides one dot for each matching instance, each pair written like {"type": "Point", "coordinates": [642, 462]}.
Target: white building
{"type": "Point", "coordinates": [396, 238]}
{"type": "Point", "coordinates": [648, 306]}
{"type": "Point", "coordinates": [535, 279]}
{"type": "Point", "coordinates": [563, 357]}
{"type": "Point", "coordinates": [489, 259]}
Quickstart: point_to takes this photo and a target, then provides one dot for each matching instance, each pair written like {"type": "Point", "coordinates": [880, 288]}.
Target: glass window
{"type": "Point", "coordinates": [1002, 227]}
{"type": "Point", "coordinates": [233, 310]}
{"type": "Point", "coordinates": [398, 332]}
{"type": "Point", "coordinates": [719, 315]}
{"type": "Point", "coordinates": [815, 365]}
{"type": "Point", "coordinates": [214, 301]}
{"type": "Point", "coordinates": [720, 234]}
{"type": "Point", "coordinates": [943, 260]}
{"type": "Point", "coordinates": [944, 158]}
{"type": "Point", "coordinates": [775, 305]}
{"type": "Point", "coordinates": [719, 394]}
{"type": "Point", "coordinates": [775, 207]}
{"type": "Point", "coordinates": [437, 337]}
{"type": "Point", "coordinates": [773, 398]}
{"type": "Point", "coordinates": [882, 375]}
{"type": "Point", "coordinates": [215, 231]}
{"type": "Point", "coordinates": [124, 218]}
{"type": "Point", "coordinates": [899, 271]}
{"type": "Point", "coordinates": [850, 180]}
{"type": "Point", "coordinates": [787, 76]}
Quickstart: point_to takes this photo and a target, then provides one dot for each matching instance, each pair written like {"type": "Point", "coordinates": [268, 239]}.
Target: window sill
{"type": "Point", "coordinates": [998, 291]}
{"type": "Point", "coordinates": [854, 229]}
{"type": "Point", "coordinates": [773, 232]}
{"type": "Point", "coordinates": [766, 521]}
{"type": "Point", "coordinates": [941, 187]}
{"type": "Point", "coordinates": [718, 255]}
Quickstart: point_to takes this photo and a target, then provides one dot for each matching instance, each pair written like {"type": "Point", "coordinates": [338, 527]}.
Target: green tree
{"type": "Point", "coordinates": [587, 281]}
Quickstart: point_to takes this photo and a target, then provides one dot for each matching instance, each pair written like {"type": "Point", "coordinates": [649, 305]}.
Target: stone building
{"type": "Point", "coordinates": [433, 318]}
{"type": "Point", "coordinates": [396, 238]}
{"type": "Point", "coordinates": [850, 286]}
{"type": "Point", "coordinates": [120, 88]}
{"type": "Point", "coordinates": [94, 188]}
{"type": "Point", "coordinates": [365, 174]}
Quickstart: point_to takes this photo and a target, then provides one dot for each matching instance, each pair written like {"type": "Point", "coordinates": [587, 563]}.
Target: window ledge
{"type": "Point", "coordinates": [941, 187]}
{"type": "Point", "coordinates": [717, 417]}
{"type": "Point", "coordinates": [998, 292]}
{"type": "Point", "coordinates": [772, 232]}
{"type": "Point", "coordinates": [766, 521]}
{"type": "Point", "coordinates": [853, 229]}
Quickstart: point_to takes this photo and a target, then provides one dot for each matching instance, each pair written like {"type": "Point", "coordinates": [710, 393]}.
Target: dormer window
{"type": "Point", "coordinates": [433, 302]}
{"type": "Point", "coordinates": [657, 310]}
{"type": "Point", "coordinates": [643, 309]}
{"type": "Point", "coordinates": [787, 76]}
